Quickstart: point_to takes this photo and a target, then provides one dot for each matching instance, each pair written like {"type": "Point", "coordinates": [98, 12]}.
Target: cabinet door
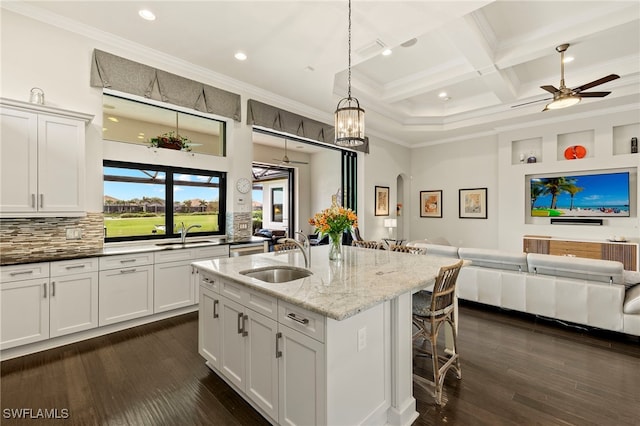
{"type": "Point", "coordinates": [209, 327]}
{"type": "Point", "coordinates": [233, 349]}
{"type": "Point", "coordinates": [301, 379]}
{"type": "Point", "coordinates": [125, 294]}
{"type": "Point", "coordinates": [24, 312]}
{"type": "Point", "coordinates": [61, 164]}
{"type": "Point", "coordinates": [73, 303]}
{"type": "Point", "coordinates": [262, 364]}
{"type": "Point", "coordinates": [173, 287]}
{"type": "Point", "coordinates": [18, 161]}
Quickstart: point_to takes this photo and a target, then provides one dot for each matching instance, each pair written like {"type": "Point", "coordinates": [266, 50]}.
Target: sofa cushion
{"type": "Point", "coordinates": [496, 259]}
{"type": "Point", "coordinates": [435, 249]}
{"type": "Point", "coordinates": [605, 271]}
{"type": "Point", "coordinates": [632, 301]}
{"type": "Point", "coordinates": [631, 278]}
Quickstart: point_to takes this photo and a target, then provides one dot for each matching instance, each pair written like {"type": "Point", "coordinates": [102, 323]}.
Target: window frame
{"type": "Point", "coordinates": [170, 171]}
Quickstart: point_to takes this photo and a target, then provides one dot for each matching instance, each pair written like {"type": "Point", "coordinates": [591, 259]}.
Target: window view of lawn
{"type": "Point", "coordinates": [132, 226]}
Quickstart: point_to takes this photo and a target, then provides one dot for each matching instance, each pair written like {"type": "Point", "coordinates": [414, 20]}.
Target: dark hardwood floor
{"type": "Point", "coordinates": [516, 370]}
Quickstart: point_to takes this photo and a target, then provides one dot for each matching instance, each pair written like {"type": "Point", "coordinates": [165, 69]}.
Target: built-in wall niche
{"type": "Point", "coordinates": [573, 143]}
{"type": "Point", "coordinates": [523, 149]}
{"type": "Point", "coordinates": [622, 138]}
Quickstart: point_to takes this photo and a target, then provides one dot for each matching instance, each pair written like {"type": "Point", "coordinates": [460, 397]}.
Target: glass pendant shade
{"type": "Point", "coordinates": [349, 123]}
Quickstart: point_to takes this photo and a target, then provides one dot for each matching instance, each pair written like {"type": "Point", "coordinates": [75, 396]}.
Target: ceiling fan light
{"type": "Point", "coordinates": [349, 123]}
{"type": "Point", "coordinates": [564, 102]}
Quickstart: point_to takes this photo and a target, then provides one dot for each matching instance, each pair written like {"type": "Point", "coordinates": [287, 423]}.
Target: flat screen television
{"type": "Point", "coordinates": [580, 195]}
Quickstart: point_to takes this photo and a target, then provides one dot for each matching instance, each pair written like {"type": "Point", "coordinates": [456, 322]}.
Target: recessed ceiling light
{"type": "Point", "coordinates": [241, 56]}
{"type": "Point", "coordinates": [115, 120]}
{"type": "Point", "coordinates": [442, 95]}
{"type": "Point", "coordinates": [140, 137]}
{"type": "Point", "coordinates": [568, 59]}
{"type": "Point", "coordinates": [387, 52]}
{"type": "Point", "coordinates": [147, 15]}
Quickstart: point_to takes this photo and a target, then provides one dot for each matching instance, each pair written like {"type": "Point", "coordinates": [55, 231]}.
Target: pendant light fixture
{"type": "Point", "coordinates": [349, 117]}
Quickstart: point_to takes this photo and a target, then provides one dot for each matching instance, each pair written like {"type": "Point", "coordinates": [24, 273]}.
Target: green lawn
{"type": "Point", "coordinates": [135, 226]}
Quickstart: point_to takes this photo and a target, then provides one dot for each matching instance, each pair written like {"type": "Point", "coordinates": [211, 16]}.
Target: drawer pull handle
{"type": "Point", "coordinates": [20, 273]}
{"type": "Point", "coordinates": [278, 351]}
{"type": "Point", "coordinates": [127, 271]}
{"type": "Point", "coordinates": [293, 316]}
{"type": "Point", "coordinates": [53, 289]}
{"type": "Point", "coordinates": [208, 280]}
{"type": "Point", "coordinates": [215, 308]}
{"type": "Point", "coordinates": [41, 200]}
{"type": "Point", "coordinates": [33, 201]}
{"type": "Point", "coordinates": [241, 323]}
{"type": "Point", "coordinates": [75, 267]}
{"type": "Point", "coordinates": [44, 287]}
{"type": "Point", "coordinates": [127, 260]}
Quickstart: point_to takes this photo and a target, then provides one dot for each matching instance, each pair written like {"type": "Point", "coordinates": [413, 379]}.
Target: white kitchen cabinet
{"type": "Point", "coordinates": [209, 326]}
{"type": "Point", "coordinates": [24, 304]}
{"type": "Point", "coordinates": [172, 287]}
{"type": "Point", "coordinates": [126, 292]}
{"type": "Point", "coordinates": [42, 160]}
{"type": "Point", "coordinates": [73, 299]}
{"type": "Point", "coordinates": [301, 368]}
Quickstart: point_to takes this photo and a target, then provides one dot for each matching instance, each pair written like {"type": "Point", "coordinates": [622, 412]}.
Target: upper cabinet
{"type": "Point", "coordinates": [42, 160]}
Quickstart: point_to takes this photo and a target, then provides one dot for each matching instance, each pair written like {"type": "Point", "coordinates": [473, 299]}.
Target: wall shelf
{"type": "Point", "coordinates": [524, 148]}
{"type": "Point", "coordinates": [622, 138]}
{"type": "Point", "coordinates": [585, 138]}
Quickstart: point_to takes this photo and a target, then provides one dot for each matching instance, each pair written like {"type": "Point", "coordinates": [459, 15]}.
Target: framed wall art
{"type": "Point", "coordinates": [473, 203]}
{"type": "Point", "coordinates": [431, 203]}
{"type": "Point", "coordinates": [382, 201]}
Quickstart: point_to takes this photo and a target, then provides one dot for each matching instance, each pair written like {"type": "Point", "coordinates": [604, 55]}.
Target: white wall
{"type": "Point", "coordinates": [326, 172]}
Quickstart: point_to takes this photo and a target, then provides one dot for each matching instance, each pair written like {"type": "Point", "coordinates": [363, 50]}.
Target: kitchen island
{"type": "Point", "coordinates": [332, 348]}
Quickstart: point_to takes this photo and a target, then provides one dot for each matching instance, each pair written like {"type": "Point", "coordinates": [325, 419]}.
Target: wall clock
{"type": "Point", "coordinates": [243, 185]}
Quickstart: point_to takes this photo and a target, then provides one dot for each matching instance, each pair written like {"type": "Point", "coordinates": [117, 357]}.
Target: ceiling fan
{"type": "Point", "coordinates": [285, 159]}
{"type": "Point", "coordinates": [564, 97]}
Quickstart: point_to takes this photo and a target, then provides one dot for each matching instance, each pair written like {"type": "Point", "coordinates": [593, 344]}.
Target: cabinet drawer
{"type": "Point", "coordinates": [212, 252]}
{"type": "Point", "coordinates": [77, 266]}
{"type": "Point", "coordinates": [297, 318]}
{"type": "Point", "coordinates": [125, 260]}
{"type": "Point", "coordinates": [209, 281]}
{"type": "Point", "coordinates": [255, 300]}
{"type": "Point", "coordinates": [24, 272]}
{"type": "Point", "coordinates": [579, 249]}
{"type": "Point", "coordinates": [173, 255]}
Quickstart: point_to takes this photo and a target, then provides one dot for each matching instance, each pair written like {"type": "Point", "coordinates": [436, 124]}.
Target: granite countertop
{"type": "Point", "coordinates": [364, 277]}
{"type": "Point", "coordinates": [52, 255]}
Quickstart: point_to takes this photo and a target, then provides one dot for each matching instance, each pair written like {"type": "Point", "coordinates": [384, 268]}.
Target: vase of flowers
{"type": "Point", "coordinates": [333, 222]}
{"type": "Point", "coordinates": [171, 140]}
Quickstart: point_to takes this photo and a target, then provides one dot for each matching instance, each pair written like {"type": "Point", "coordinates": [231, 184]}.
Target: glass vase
{"type": "Point", "coordinates": [335, 246]}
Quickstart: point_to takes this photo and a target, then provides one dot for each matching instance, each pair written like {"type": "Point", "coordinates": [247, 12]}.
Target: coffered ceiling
{"type": "Point", "coordinates": [486, 55]}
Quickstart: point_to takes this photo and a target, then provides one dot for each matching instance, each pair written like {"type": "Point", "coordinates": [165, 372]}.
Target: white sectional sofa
{"type": "Point", "coordinates": [577, 290]}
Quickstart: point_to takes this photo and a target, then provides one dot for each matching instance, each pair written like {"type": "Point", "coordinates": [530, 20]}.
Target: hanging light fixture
{"type": "Point", "coordinates": [349, 117]}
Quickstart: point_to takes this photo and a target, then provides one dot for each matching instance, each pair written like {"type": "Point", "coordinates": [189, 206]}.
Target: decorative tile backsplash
{"type": "Point", "coordinates": [238, 225]}
{"type": "Point", "coordinates": [32, 237]}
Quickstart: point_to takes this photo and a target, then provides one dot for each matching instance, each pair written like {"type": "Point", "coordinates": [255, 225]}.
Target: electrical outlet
{"type": "Point", "coordinates": [243, 225]}
{"type": "Point", "coordinates": [362, 339]}
{"type": "Point", "coordinates": [74, 233]}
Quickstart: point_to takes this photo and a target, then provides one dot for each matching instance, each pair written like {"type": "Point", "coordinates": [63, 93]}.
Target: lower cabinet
{"type": "Point", "coordinates": [274, 366]}
{"type": "Point", "coordinates": [126, 292]}
{"type": "Point", "coordinates": [172, 287]}
{"type": "Point", "coordinates": [24, 312]}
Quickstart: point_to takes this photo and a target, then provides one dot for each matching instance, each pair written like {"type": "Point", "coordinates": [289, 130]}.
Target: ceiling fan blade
{"type": "Point", "coordinates": [550, 89]}
{"type": "Point", "coordinates": [593, 94]}
{"type": "Point", "coordinates": [596, 83]}
{"type": "Point", "coordinates": [297, 162]}
{"type": "Point", "coordinates": [532, 102]}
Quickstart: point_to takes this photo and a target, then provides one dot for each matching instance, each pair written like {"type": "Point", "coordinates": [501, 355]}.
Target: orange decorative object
{"type": "Point", "coordinates": [574, 152]}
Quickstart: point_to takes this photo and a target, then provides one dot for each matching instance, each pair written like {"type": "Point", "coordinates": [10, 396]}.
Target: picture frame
{"type": "Point", "coordinates": [472, 203]}
{"type": "Point", "coordinates": [381, 206]}
{"type": "Point", "coordinates": [431, 203]}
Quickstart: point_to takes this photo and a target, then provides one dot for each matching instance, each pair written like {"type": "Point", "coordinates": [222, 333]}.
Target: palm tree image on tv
{"type": "Point", "coordinates": [586, 195]}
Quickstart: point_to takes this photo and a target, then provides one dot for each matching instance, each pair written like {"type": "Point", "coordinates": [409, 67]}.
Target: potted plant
{"type": "Point", "coordinates": [171, 140]}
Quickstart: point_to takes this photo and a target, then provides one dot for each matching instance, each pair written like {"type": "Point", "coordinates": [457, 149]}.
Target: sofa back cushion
{"type": "Point", "coordinates": [496, 259]}
{"type": "Point", "coordinates": [435, 249]}
{"type": "Point", "coordinates": [605, 271]}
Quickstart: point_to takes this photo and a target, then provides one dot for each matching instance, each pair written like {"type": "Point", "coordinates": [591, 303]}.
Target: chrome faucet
{"type": "Point", "coordinates": [306, 244]}
{"type": "Point", "coordinates": [184, 232]}
{"type": "Point", "coordinates": [305, 252]}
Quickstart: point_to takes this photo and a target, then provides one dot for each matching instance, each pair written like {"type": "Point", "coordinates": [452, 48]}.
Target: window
{"type": "Point", "coordinates": [143, 201]}
{"type": "Point", "coordinates": [277, 206]}
{"type": "Point", "coordinates": [135, 122]}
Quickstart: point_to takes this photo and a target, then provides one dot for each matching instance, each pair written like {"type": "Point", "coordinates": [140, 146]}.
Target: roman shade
{"type": "Point", "coordinates": [113, 72]}
{"type": "Point", "coordinates": [264, 115]}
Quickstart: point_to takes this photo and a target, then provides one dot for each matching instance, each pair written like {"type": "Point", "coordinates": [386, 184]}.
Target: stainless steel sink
{"type": "Point", "coordinates": [277, 274]}
{"type": "Point", "coordinates": [175, 244]}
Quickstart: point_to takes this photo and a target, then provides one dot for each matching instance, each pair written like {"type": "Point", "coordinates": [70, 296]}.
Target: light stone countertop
{"type": "Point", "coordinates": [338, 290]}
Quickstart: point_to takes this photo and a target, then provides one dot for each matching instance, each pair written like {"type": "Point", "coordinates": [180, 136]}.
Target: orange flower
{"type": "Point", "coordinates": [334, 220]}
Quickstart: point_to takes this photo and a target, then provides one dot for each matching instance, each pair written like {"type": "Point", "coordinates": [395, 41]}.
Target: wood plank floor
{"type": "Point", "coordinates": [516, 370]}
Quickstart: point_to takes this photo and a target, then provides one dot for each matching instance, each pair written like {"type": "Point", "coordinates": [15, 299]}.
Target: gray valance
{"type": "Point", "coordinates": [261, 114]}
{"type": "Point", "coordinates": [114, 72]}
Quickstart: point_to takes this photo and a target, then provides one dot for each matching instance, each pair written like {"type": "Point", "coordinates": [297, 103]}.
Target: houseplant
{"type": "Point", "coordinates": [333, 222]}
{"type": "Point", "coordinates": [171, 140]}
